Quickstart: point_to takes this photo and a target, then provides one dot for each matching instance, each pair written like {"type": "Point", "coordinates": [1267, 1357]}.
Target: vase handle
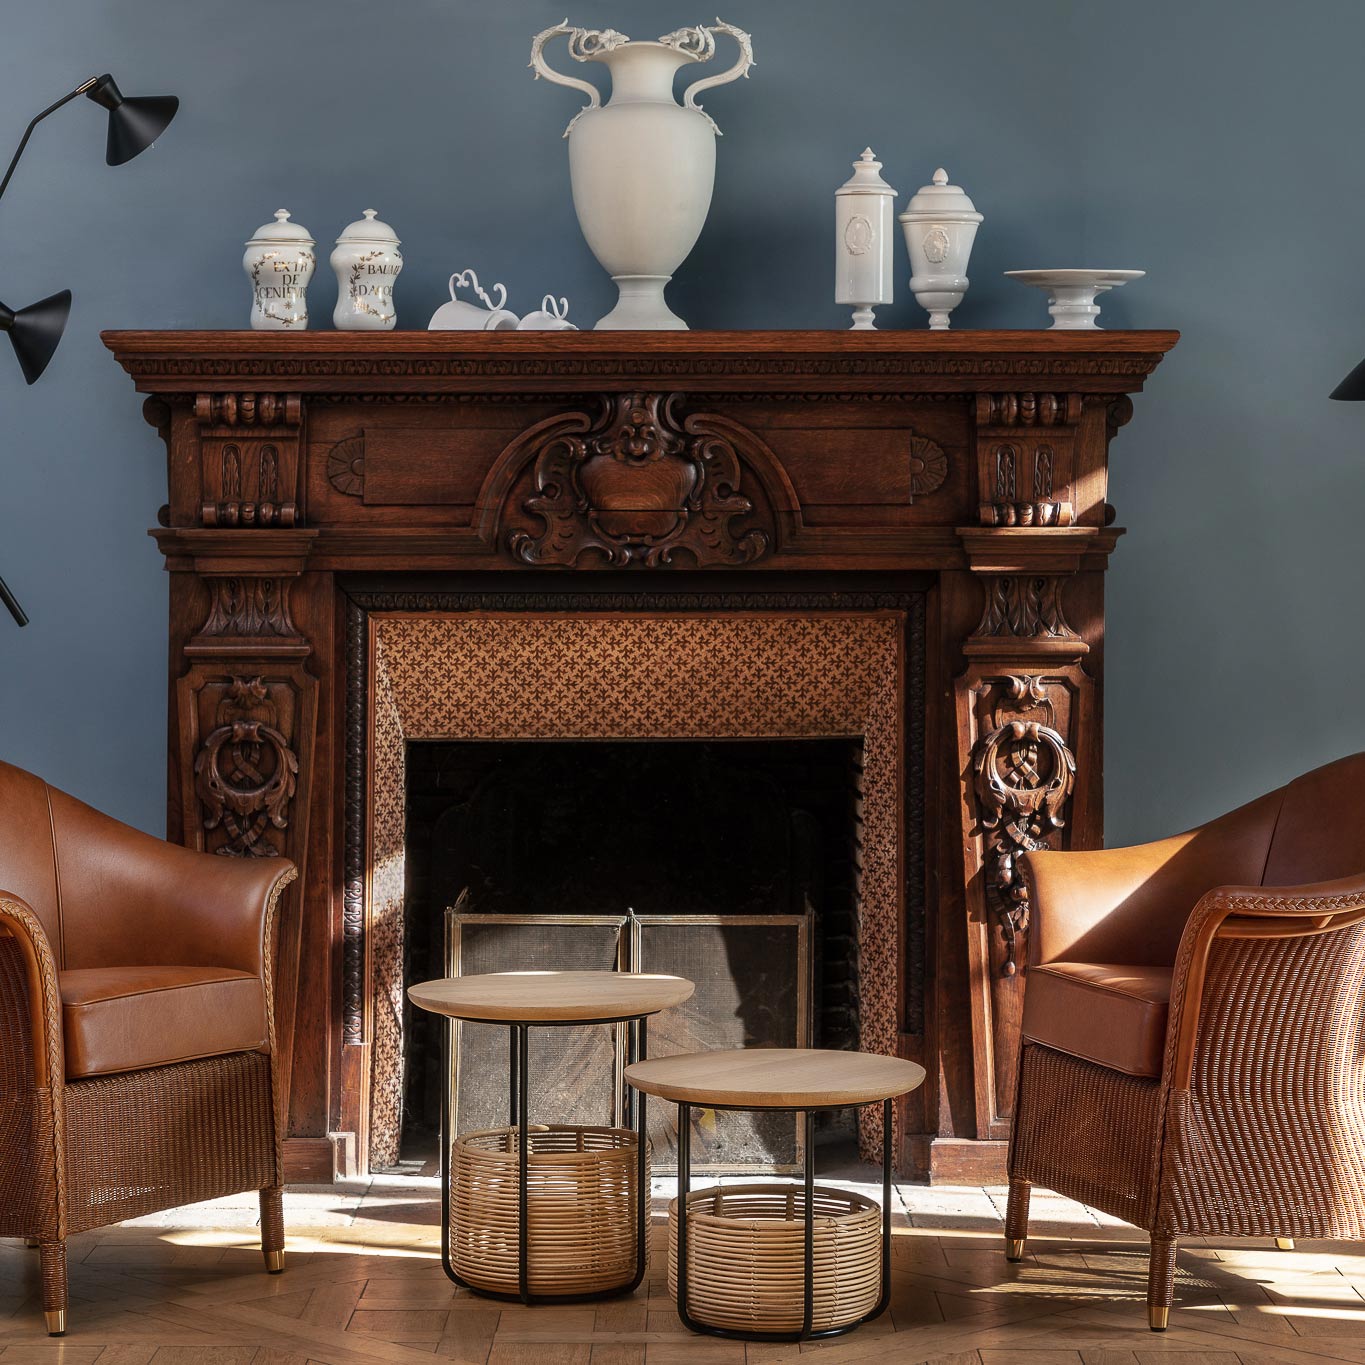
{"type": "Point", "coordinates": [581, 47]}
{"type": "Point", "coordinates": [740, 68]}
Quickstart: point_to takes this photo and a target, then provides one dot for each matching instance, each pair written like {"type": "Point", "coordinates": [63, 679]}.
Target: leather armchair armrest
{"type": "Point", "coordinates": [43, 1005]}
{"type": "Point", "coordinates": [1247, 912]}
{"type": "Point", "coordinates": [129, 899]}
{"type": "Point", "coordinates": [200, 909]}
{"type": "Point", "coordinates": [1130, 905]}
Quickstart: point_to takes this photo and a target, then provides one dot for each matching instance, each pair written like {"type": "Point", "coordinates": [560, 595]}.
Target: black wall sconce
{"type": "Point", "coordinates": [34, 331]}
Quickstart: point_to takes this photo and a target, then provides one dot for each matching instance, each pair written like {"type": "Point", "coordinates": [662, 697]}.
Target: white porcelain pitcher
{"type": "Point", "coordinates": [642, 166]}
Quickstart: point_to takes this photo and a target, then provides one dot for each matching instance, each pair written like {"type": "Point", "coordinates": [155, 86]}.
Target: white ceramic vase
{"type": "Point", "coordinates": [642, 166]}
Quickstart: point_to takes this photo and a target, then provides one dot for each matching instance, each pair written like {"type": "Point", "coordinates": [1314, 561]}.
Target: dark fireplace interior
{"type": "Point", "coordinates": [740, 829]}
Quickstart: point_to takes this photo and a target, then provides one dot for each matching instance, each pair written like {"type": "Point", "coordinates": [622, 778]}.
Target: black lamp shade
{"type": "Point", "coordinates": [35, 331]}
{"type": "Point", "coordinates": [1352, 388]}
{"type": "Point", "coordinates": [134, 124]}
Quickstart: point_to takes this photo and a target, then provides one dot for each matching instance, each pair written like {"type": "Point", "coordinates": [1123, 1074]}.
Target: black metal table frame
{"type": "Point", "coordinates": [519, 1031]}
{"type": "Point", "coordinates": [807, 1333]}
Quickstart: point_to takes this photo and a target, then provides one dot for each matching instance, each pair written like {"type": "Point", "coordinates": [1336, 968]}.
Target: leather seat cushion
{"type": "Point", "coordinates": [1104, 1012]}
{"type": "Point", "coordinates": [128, 1018]}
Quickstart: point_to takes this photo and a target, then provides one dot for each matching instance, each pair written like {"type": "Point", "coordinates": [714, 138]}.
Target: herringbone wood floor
{"type": "Point", "coordinates": [364, 1286]}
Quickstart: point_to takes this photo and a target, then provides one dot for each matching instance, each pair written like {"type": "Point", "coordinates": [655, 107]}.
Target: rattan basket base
{"type": "Point", "coordinates": [746, 1257]}
{"type": "Point", "coordinates": [582, 1212]}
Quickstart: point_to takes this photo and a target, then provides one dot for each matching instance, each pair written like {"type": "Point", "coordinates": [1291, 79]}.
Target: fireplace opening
{"type": "Point", "coordinates": [735, 862]}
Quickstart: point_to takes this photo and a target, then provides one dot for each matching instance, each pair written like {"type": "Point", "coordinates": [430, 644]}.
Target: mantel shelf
{"type": "Point", "coordinates": [311, 362]}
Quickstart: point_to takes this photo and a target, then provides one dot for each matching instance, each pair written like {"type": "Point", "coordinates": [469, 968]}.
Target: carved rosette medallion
{"type": "Point", "coordinates": [639, 486]}
{"type": "Point", "coordinates": [246, 773]}
{"type": "Point", "coordinates": [1023, 774]}
{"type": "Point", "coordinates": [928, 466]}
{"type": "Point", "coordinates": [346, 466]}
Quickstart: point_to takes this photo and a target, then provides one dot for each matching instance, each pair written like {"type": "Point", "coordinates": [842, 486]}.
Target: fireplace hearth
{"type": "Point", "coordinates": [892, 541]}
{"type": "Point", "coordinates": [750, 833]}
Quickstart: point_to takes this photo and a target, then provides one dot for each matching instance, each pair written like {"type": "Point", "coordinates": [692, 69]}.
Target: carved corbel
{"type": "Point", "coordinates": [249, 458]}
{"type": "Point", "coordinates": [1026, 452]}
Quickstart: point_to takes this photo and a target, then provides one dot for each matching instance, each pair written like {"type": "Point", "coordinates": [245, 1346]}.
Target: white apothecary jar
{"type": "Point", "coordinates": [940, 226]}
{"type": "Point", "coordinates": [279, 263]}
{"type": "Point", "coordinates": [366, 260]}
{"type": "Point", "coordinates": [864, 207]}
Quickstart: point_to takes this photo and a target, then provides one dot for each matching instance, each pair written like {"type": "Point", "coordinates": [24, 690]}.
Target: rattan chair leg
{"type": "Point", "coordinates": [272, 1228]}
{"type": "Point", "coordinates": [53, 1270]}
{"type": "Point", "coordinates": [1016, 1219]}
{"type": "Point", "coordinates": [1160, 1282]}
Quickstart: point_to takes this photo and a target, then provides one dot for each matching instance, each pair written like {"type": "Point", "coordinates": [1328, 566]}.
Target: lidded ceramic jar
{"type": "Point", "coordinates": [864, 241]}
{"type": "Point", "coordinates": [279, 263]}
{"type": "Point", "coordinates": [367, 261]}
{"type": "Point", "coordinates": [940, 225]}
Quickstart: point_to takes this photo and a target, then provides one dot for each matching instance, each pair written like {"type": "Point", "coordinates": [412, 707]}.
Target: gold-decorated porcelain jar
{"type": "Point", "coordinates": [367, 261]}
{"type": "Point", "coordinates": [279, 263]}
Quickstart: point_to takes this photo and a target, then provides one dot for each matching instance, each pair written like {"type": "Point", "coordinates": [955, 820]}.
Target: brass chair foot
{"type": "Point", "coordinates": [1014, 1248]}
{"type": "Point", "coordinates": [1157, 1318]}
{"type": "Point", "coordinates": [1284, 1243]}
{"type": "Point", "coordinates": [56, 1322]}
{"type": "Point", "coordinates": [274, 1261]}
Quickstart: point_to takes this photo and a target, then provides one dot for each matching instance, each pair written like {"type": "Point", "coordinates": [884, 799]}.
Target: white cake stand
{"type": "Point", "coordinates": [1071, 293]}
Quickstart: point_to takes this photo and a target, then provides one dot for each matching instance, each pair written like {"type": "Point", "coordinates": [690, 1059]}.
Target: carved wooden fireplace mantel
{"type": "Point", "coordinates": [950, 487]}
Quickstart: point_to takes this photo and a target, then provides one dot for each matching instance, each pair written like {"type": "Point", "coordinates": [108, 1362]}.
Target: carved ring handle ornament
{"type": "Point", "coordinates": [237, 790]}
{"type": "Point", "coordinates": [1024, 775]}
{"type": "Point", "coordinates": [589, 44]}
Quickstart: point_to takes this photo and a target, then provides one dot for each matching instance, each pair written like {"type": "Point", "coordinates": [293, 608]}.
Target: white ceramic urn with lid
{"type": "Point", "coordinates": [864, 263]}
{"type": "Point", "coordinates": [366, 260]}
{"type": "Point", "coordinates": [940, 225]}
{"type": "Point", "coordinates": [279, 263]}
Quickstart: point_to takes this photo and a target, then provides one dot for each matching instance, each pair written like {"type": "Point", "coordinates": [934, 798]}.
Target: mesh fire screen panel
{"type": "Point", "coordinates": [578, 1067]}
{"type": "Point", "coordinates": [753, 990]}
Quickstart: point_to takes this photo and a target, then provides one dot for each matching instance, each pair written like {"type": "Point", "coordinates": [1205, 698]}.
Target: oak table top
{"type": "Point", "coordinates": [550, 997]}
{"type": "Point", "coordinates": [776, 1077]}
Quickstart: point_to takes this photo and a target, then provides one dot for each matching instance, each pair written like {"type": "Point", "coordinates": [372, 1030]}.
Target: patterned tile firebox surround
{"type": "Point", "coordinates": [630, 675]}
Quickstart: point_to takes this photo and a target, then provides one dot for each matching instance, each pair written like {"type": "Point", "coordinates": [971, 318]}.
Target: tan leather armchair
{"type": "Point", "coordinates": [1194, 1028]}
{"type": "Point", "coordinates": [136, 1027]}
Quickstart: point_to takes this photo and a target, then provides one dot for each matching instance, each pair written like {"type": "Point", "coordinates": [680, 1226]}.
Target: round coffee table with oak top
{"type": "Point", "coordinates": [801, 1080]}
{"type": "Point", "coordinates": [520, 1001]}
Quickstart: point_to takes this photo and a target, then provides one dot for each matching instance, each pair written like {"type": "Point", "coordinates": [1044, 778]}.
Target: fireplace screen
{"type": "Point", "coordinates": [580, 1069]}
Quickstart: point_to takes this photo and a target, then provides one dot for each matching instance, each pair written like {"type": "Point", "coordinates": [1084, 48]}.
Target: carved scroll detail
{"type": "Point", "coordinates": [1023, 775]}
{"type": "Point", "coordinates": [245, 774]}
{"type": "Point", "coordinates": [638, 486]}
{"type": "Point", "coordinates": [1029, 409]}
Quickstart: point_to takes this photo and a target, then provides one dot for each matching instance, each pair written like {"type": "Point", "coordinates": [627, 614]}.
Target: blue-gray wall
{"type": "Point", "coordinates": [1215, 144]}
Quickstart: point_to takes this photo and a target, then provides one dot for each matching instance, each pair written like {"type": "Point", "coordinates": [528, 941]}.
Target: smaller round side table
{"type": "Point", "coordinates": [520, 1001]}
{"type": "Point", "coordinates": [798, 1080]}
